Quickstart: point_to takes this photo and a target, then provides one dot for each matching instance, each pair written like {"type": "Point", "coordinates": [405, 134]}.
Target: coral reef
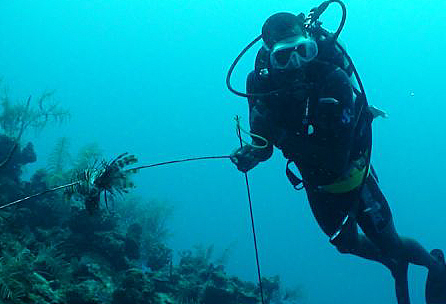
{"type": "Point", "coordinates": [11, 171]}
{"type": "Point", "coordinates": [16, 118]}
{"type": "Point", "coordinates": [54, 250]}
{"type": "Point", "coordinates": [58, 252]}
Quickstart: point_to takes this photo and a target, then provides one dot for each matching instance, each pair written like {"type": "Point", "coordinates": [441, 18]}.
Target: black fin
{"type": "Point", "coordinates": [401, 283]}
{"type": "Point", "coordinates": [436, 281]}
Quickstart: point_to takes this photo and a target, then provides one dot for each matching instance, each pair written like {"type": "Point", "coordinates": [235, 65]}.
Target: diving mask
{"type": "Point", "coordinates": [293, 52]}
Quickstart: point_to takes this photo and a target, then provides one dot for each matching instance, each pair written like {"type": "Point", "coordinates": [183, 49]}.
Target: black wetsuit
{"type": "Point", "coordinates": [311, 114]}
{"type": "Point", "coordinates": [313, 122]}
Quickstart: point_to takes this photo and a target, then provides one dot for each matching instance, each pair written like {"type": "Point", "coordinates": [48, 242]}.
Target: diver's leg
{"type": "Point", "coordinates": [417, 254]}
{"type": "Point", "coordinates": [350, 241]}
{"type": "Point", "coordinates": [436, 281]}
{"type": "Point", "coordinates": [330, 212]}
{"type": "Point", "coordinates": [401, 284]}
{"type": "Point", "coordinates": [375, 219]}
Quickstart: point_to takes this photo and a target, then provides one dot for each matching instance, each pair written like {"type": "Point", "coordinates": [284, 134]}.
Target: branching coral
{"type": "Point", "coordinates": [87, 155]}
{"type": "Point", "coordinates": [16, 118]}
{"type": "Point", "coordinates": [58, 161]}
{"type": "Point", "coordinates": [23, 274]}
{"type": "Point", "coordinates": [14, 275]}
{"type": "Point", "coordinates": [152, 215]}
{"type": "Point", "coordinates": [50, 263]}
{"type": "Point", "coordinates": [62, 165]}
{"type": "Point", "coordinates": [151, 218]}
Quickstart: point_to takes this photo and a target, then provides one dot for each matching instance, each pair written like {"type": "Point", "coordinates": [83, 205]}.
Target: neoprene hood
{"type": "Point", "coordinates": [281, 26]}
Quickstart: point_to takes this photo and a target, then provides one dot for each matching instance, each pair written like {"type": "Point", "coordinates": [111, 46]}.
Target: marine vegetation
{"type": "Point", "coordinates": [106, 257]}
{"type": "Point", "coordinates": [146, 225]}
{"type": "Point", "coordinates": [54, 250]}
{"type": "Point", "coordinates": [59, 161]}
{"type": "Point", "coordinates": [18, 117]}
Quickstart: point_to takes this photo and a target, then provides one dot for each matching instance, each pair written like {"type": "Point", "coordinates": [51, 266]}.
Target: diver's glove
{"type": "Point", "coordinates": [244, 158]}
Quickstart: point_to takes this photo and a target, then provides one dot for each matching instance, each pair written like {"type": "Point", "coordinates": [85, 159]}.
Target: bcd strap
{"type": "Point", "coordinates": [294, 180]}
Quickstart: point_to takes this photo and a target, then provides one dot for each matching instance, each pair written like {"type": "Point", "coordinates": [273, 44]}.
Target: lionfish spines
{"type": "Point", "coordinates": [107, 177]}
{"type": "Point", "coordinates": [126, 161]}
{"type": "Point", "coordinates": [132, 171]}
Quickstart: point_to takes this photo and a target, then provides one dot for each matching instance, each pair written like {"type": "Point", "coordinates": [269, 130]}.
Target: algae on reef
{"type": "Point", "coordinates": [54, 250]}
{"type": "Point", "coordinates": [102, 258]}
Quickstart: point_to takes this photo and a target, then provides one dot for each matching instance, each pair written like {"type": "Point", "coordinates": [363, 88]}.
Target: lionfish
{"type": "Point", "coordinates": [110, 178]}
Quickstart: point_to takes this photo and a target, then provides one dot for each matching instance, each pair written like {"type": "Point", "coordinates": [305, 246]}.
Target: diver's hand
{"type": "Point", "coordinates": [244, 158]}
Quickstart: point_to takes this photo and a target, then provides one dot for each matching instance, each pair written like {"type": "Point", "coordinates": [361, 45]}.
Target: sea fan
{"type": "Point", "coordinates": [17, 117]}
{"type": "Point", "coordinates": [58, 161]}
{"type": "Point", "coordinates": [87, 156]}
{"type": "Point", "coordinates": [15, 275]}
{"type": "Point", "coordinates": [50, 263]}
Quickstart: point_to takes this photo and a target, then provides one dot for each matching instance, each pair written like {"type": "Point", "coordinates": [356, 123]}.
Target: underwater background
{"type": "Point", "coordinates": [147, 77]}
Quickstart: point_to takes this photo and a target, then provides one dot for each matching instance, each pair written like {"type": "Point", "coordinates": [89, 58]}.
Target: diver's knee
{"type": "Point", "coordinates": [345, 249]}
{"type": "Point", "coordinates": [392, 245]}
{"type": "Point", "coordinates": [394, 250]}
{"type": "Point", "coordinates": [347, 240]}
{"type": "Point", "coordinates": [343, 246]}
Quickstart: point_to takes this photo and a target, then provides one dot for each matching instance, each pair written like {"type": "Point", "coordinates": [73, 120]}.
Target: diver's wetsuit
{"type": "Point", "coordinates": [312, 120]}
{"type": "Point", "coordinates": [305, 106]}
{"type": "Point", "coordinates": [314, 127]}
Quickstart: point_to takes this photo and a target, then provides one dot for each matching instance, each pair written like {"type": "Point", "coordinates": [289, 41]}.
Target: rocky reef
{"type": "Point", "coordinates": [71, 247]}
{"type": "Point", "coordinates": [54, 251]}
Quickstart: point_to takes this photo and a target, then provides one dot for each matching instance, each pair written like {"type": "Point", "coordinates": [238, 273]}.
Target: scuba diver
{"type": "Point", "coordinates": [303, 99]}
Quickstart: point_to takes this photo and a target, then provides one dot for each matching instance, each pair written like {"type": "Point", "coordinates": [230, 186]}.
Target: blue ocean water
{"type": "Point", "coordinates": [147, 77]}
